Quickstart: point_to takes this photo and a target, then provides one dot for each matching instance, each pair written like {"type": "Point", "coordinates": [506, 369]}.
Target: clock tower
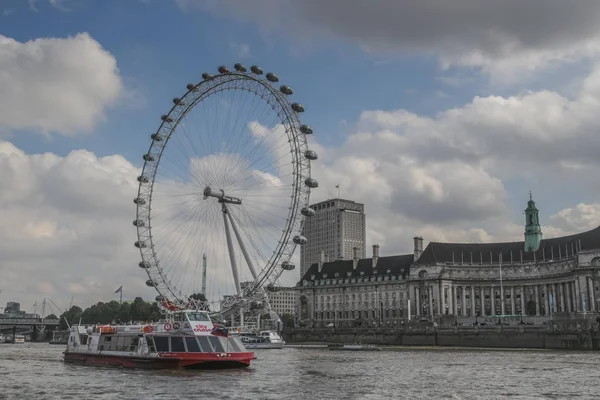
{"type": "Point", "coordinates": [533, 231]}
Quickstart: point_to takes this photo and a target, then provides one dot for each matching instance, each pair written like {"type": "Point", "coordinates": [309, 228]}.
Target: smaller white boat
{"type": "Point", "coordinates": [262, 340]}
{"type": "Point", "coordinates": [354, 347]}
{"type": "Point", "coordinates": [19, 339]}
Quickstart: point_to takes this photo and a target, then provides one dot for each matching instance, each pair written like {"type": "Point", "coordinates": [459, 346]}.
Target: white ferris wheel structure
{"type": "Point", "coordinates": [226, 180]}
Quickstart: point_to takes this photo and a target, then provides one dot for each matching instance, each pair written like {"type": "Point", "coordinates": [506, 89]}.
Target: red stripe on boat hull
{"type": "Point", "coordinates": [165, 361]}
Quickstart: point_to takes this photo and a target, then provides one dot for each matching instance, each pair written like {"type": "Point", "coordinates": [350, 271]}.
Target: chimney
{"type": "Point", "coordinates": [418, 247]}
{"type": "Point", "coordinates": [321, 260]}
{"type": "Point", "coordinates": [354, 258]}
{"type": "Point", "coordinates": [327, 257]}
{"type": "Point", "coordinates": [375, 255]}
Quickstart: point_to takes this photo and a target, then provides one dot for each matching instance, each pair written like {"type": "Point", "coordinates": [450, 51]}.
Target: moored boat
{"type": "Point", "coordinates": [354, 347]}
{"type": "Point", "coordinates": [185, 339]}
{"type": "Point", "coordinates": [262, 340]}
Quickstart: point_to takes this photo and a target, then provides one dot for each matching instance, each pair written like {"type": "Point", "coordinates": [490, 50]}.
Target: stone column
{"type": "Point", "coordinates": [482, 300]}
{"type": "Point", "coordinates": [578, 302]}
{"type": "Point", "coordinates": [590, 282]}
{"type": "Point", "coordinates": [430, 298]}
{"type": "Point", "coordinates": [502, 301]}
{"type": "Point", "coordinates": [512, 301]}
{"type": "Point", "coordinates": [418, 301]}
{"type": "Point", "coordinates": [463, 304]}
{"type": "Point", "coordinates": [537, 300]}
{"type": "Point", "coordinates": [473, 301]}
{"type": "Point", "coordinates": [547, 293]}
{"type": "Point", "coordinates": [568, 297]}
{"type": "Point", "coordinates": [492, 300]}
{"type": "Point", "coordinates": [443, 299]}
{"type": "Point", "coordinates": [563, 308]}
{"type": "Point", "coordinates": [452, 293]}
{"type": "Point", "coordinates": [523, 311]}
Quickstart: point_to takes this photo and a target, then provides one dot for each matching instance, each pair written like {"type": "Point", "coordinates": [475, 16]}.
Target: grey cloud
{"type": "Point", "coordinates": [462, 32]}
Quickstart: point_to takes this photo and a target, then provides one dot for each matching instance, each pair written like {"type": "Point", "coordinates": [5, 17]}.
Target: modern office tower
{"type": "Point", "coordinates": [336, 228]}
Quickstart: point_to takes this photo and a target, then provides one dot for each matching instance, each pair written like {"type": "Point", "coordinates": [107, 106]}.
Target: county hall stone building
{"type": "Point", "coordinates": [533, 278]}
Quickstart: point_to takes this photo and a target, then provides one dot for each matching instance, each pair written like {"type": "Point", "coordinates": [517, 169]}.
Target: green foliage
{"type": "Point", "coordinates": [72, 316]}
{"type": "Point", "coordinates": [287, 320]}
{"type": "Point", "coordinates": [51, 316]}
{"type": "Point", "coordinates": [106, 313]}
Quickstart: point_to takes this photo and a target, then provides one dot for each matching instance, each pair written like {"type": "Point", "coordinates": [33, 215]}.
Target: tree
{"type": "Point", "coordinates": [287, 320]}
{"type": "Point", "coordinates": [51, 316]}
{"type": "Point", "coordinates": [72, 316]}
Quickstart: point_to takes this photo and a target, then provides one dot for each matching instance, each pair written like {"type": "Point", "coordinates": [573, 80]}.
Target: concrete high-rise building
{"type": "Point", "coordinates": [337, 227]}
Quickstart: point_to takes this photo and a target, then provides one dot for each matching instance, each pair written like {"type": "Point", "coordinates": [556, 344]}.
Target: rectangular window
{"type": "Point", "coordinates": [205, 344]}
{"type": "Point", "coordinates": [216, 344]}
{"type": "Point", "coordinates": [150, 341]}
{"type": "Point", "coordinates": [162, 343]}
{"type": "Point", "coordinates": [192, 345]}
{"type": "Point", "coordinates": [177, 344]}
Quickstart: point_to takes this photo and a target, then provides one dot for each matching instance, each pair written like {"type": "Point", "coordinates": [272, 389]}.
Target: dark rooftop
{"type": "Point", "coordinates": [554, 248]}
{"type": "Point", "coordinates": [398, 265]}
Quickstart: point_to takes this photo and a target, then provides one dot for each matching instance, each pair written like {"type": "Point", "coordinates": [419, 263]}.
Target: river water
{"type": "Point", "coordinates": [36, 371]}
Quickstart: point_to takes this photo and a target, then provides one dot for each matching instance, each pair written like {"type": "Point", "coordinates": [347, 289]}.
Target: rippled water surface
{"type": "Point", "coordinates": [36, 371]}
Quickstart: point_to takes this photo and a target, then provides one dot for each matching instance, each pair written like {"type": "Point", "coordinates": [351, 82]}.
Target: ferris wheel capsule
{"type": "Point", "coordinates": [311, 183]}
{"type": "Point", "coordinates": [286, 89]}
{"type": "Point", "coordinates": [311, 154]}
{"type": "Point", "coordinates": [206, 75]}
{"type": "Point", "coordinates": [223, 69]}
{"type": "Point", "coordinates": [138, 223]}
{"type": "Point", "coordinates": [307, 130]}
{"type": "Point", "coordinates": [297, 107]}
{"type": "Point", "coordinates": [239, 67]}
{"type": "Point", "coordinates": [308, 212]}
{"type": "Point", "coordinates": [272, 77]}
{"type": "Point", "coordinates": [256, 69]}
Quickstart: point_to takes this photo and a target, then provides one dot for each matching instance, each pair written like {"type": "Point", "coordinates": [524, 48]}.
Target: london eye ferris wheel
{"type": "Point", "coordinates": [226, 181]}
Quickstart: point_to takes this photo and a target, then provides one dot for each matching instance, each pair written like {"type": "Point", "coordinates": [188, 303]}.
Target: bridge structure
{"type": "Point", "coordinates": [39, 328]}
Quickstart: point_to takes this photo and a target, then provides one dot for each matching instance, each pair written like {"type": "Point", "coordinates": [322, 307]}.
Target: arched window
{"type": "Point", "coordinates": [596, 262]}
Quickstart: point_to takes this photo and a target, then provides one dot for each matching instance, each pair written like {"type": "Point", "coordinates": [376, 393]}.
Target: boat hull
{"type": "Point", "coordinates": [164, 360]}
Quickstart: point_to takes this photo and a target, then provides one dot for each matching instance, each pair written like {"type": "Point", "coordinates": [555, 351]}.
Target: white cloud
{"type": "Point", "coordinates": [66, 227]}
{"type": "Point", "coordinates": [60, 85]}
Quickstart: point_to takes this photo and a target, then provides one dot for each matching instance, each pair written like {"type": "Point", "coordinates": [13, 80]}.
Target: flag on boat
{"type": "Point", "coordinates": [119, 290]}
{"type": "Point", "coordinates": [218, 331]}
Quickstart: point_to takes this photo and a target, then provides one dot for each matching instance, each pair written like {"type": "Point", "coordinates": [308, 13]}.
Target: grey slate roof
{"type": "Point", "coordinates": [398, 265]}
{"type": "Point", "coordinates": [549, 248]}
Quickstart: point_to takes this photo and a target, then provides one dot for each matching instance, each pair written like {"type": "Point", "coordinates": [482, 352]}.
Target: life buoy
{"type": "Point", "coordinates": [176, 325]}
{"type": "Point", "coordinates": [148, 329]}
{"type": "Point", "coordinates": [167, 326]}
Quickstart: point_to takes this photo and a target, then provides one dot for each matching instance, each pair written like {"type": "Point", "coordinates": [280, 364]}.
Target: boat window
{"type": "Point", "coordinates": [234, 344]}
{"type": "Point", "coordinates": [198, 316]}
{"type": "Point", "coordinates": [162, 343]}
{"type": "Point", "coordinates": [205, 344]}
{"type": "Point", "coordinates": [192, 345]}
{"type": "Point", "coordinates": [177, 344]}
{"type": "Point", "coordinates": [150, 341]}
{"type": "Point", "coordinates": [134, 344]}
{"type": "Point", "coordinates": [216, 344]}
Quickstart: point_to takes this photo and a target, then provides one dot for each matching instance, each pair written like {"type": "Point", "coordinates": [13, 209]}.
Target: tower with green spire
{"type": "Point", "coordinates": [533, 231]}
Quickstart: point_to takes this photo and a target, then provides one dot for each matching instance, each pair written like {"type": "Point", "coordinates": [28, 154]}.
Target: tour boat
{"type": "Point", "coordinates": [262, 340]}
{"type": "Point", "coordinates": [185, 339]}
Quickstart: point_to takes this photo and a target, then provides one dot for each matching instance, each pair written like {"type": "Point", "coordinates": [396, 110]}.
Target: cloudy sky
{"type": "Point", "coordinates": [439, 116]}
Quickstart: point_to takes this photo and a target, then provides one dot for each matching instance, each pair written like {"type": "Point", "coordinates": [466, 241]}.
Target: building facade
{"type": "Point", "coordinates": [467, 280]}
{"type": "Point", "coordinates": [336, 228]}
{"type": "Point", "coordinates": [283, 300]}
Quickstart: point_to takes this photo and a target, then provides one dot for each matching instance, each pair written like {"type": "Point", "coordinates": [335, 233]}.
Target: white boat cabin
{"type": "Point", "coordinates": [182, 331]}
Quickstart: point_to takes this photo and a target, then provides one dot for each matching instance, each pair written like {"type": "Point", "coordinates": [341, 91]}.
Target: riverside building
{"type": "Point", "coordinates": [337, 227]}
{"type": "Point", "coordinates": [531, 280]}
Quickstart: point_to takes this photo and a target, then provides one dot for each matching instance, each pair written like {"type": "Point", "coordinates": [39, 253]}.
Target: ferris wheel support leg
{"type": "Point", "coordinates": [242, 246]}
{"type": "Point", "coordinates": [234, 269]}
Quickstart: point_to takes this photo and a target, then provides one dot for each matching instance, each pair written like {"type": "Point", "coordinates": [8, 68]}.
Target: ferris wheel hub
{"type": "Point", "coordinates": [220, 194]}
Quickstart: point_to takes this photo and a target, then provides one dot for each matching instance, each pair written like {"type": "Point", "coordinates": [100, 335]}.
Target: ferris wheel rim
{"type": "Point", "coordinates": [300, 196]}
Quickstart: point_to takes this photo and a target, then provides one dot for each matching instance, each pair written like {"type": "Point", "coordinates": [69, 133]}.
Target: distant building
{"type": "Point", "coordinates": [283, 300]}
{"type": "Point", "coordinates": [14, 308]}
{"type": "Point", "coordinates": [336, 228]}
{"type": "Point", "coordinates": [533, 278]}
